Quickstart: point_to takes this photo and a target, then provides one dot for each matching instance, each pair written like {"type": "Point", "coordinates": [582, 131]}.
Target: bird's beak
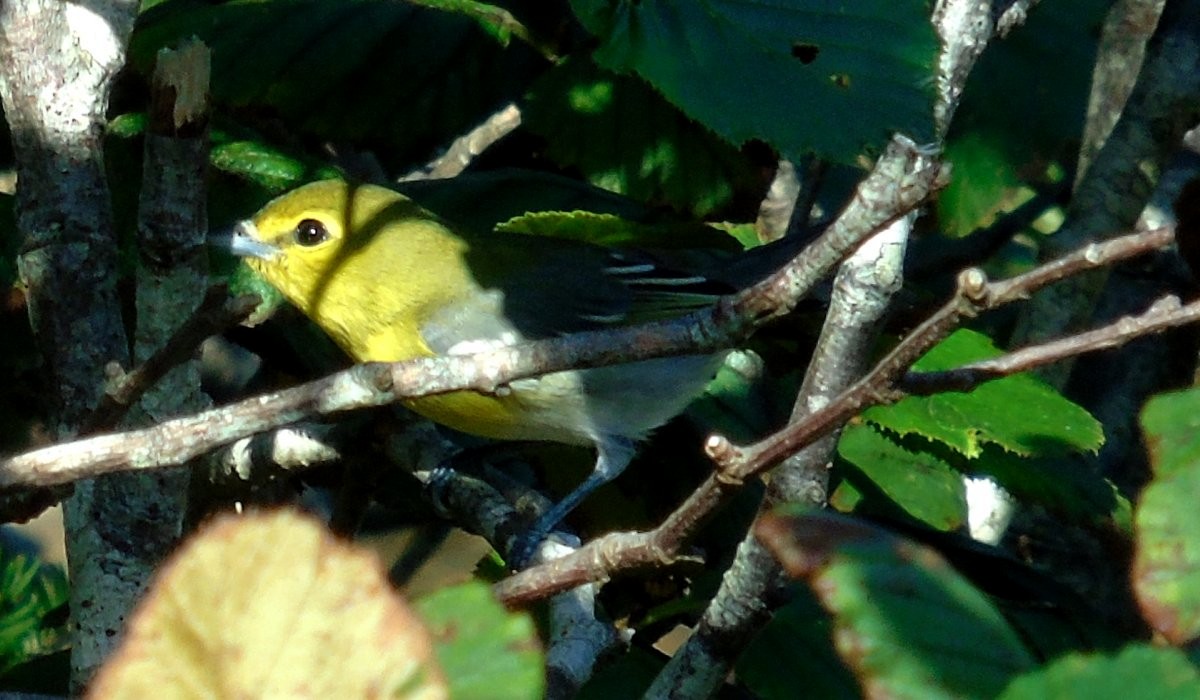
{"type": "Point", "coordinates": [244, 242]}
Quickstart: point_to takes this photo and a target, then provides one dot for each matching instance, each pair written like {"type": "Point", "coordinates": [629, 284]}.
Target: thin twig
{"type": "Point", "coordinates": [907, 182]}
{"type": "Point", "coordinates": [215, 314]}
{"type": "Point", "coordinates": [1163, 315]}
{"type": "Point", "coordinates": [606, 556]}
{"type": "Point", "coordinates": [465, 148]}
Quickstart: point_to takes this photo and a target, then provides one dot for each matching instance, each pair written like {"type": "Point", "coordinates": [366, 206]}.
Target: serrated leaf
{"type": "Point", "coordinates": [904, 621]}
{"type": "Point", "coordinates": [1062, 485]}
{"type": "Point", "coordinates": [264, 165]}
{"type": "Point", "coordinates": [1138, 671]}
{"type": "Point", "coordinates": [272, 605]}
{"type": "Point", "coordinates": [824, 76]}
{"type": "Point", "coordinates": [402, 78]}
{"type": "Point", "coordinates": [1166, 565]}
{"type": "Point", "coordinates": [485, 651]}
{"type": "Point", "coordinates": [923, 486]}
{"type": "Point", "coordinates": [623, 136]}
{"type": "Point", "coordinates": [1018, 413]}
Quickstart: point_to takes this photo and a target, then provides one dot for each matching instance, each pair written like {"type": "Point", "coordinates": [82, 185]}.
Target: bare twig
{"type": "Point", "coordinates": [215, 314]}
{"type": "Point", "coordinates": [862, 290]}
{"type": "Point", "coordinates": [1164, 314]}
{"type": "Point", "coordinates": [866, 283]}
{"type": "Point", "coordinates": [465, 148]}
{"type": "Point", "coordinates": [1164, 104]}
{"type": "Point", "coordinates": [374, 384]}
{"type": "Point", "coordinates": [606, 556]}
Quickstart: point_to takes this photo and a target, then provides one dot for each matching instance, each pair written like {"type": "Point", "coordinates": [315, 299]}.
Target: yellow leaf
{"type": "Point", "coordinates": [272, 606]}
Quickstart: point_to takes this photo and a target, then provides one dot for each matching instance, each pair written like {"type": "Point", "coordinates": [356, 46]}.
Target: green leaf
{"type": "Point", "coordinates": [923, 486]}
{"type": "Point", "coordinates": [1018, 413]}
{"type": "Point", "coordinates": [987, 185]}
{"type": "Point", "coordinates": [613, 231]}
{"type": "Point", "coordinates": [1171, 423]}
{"type": "Point", "coordinates": [623, 136]}
{"type": "Point", "coordinates": [263, 164]}
{"type": "Point", "coordinates": [29, 592]}
{"type": "Point", "coordinates": [394, 76]}
{"type": "Point", "coordinates": [127, 125]}
{"type": "Point", "coordinates": [1064, 485]}
{"type": "Point", "coordinates": [793, 656]}
{"type": "Point", "coordinates": [738, 403]}
{"type": "Point", "coordinates": [500, 195]}
{"type": "Point", "coordinates": [247, 281]}
{"type": "Point", "coordinates": [1138, 671]}
{"type": "Point", "coordinates": [1166, 567]}
{"type": "Point", "coordinates": [904, 621]}
{"type": "Point", "coordinates": [1007, 130]}
{"type": "Point", "coordinates": [486, 651]}
{"type": "Point", "coordinates": [824, 76]}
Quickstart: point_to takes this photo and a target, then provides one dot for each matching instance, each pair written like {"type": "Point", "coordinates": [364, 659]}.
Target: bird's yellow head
{"type": "Point", "coordinates": [302, 238]}
{"type": "Point", "coordinates": [355, 258]}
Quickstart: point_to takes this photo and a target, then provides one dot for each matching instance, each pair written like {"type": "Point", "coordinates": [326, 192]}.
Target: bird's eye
{"type": "Point", "coordinates": [310, 232]}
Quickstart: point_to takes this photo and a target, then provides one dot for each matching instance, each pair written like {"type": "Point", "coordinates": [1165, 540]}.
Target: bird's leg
{"type": "Point", "coordinates": [613, 454]}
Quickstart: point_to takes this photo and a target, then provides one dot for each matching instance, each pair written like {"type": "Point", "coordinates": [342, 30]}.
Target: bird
{"type": "Point", "coordinates": [388, 280]}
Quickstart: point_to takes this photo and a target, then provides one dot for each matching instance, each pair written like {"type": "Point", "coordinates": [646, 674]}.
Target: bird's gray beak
{"type": "Point", "coordinates": [244, 242]}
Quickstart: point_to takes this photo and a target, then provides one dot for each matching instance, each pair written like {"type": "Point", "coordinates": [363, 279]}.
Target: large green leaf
{"type": "Point", "coordinates": [1138, 671]}
{"type": "Point", "coordinates": [1018, 413]}
{"type": "Point", "coordinates": [819, 76]}
{"type": "Point", "coordinates": [1166, 568]}
{"type": "Point", "coordinates": [904, 621]}
{"type": "Point", "coordinates": [486, 651]}
{"type": "Point", "coordinates": [266, 166]}
{"type": "Point", "coordinates": [623, 136]}
{"type": "Point", "coordinates": [401, 78]}
{"type": "Point", "coordinates": [926, 488]}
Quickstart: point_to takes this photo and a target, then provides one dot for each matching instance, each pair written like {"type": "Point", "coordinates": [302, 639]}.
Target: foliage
{"type": "Point", "coordinates": [658, 125]}
{"type": "Point", "coordinates": [32, 597]}
{"type": "Point", "coordinates": [272, 605]}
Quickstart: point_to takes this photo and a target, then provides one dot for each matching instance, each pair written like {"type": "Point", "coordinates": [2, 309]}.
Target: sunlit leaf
{"type": "Point", "coordinates": [272, 606]}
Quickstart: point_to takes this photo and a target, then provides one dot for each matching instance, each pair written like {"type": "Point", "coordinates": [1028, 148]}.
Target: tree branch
{"type": "Point", "coordinates": [616, 553]}
{"type": "Point", "coordinates": [374, 384]}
